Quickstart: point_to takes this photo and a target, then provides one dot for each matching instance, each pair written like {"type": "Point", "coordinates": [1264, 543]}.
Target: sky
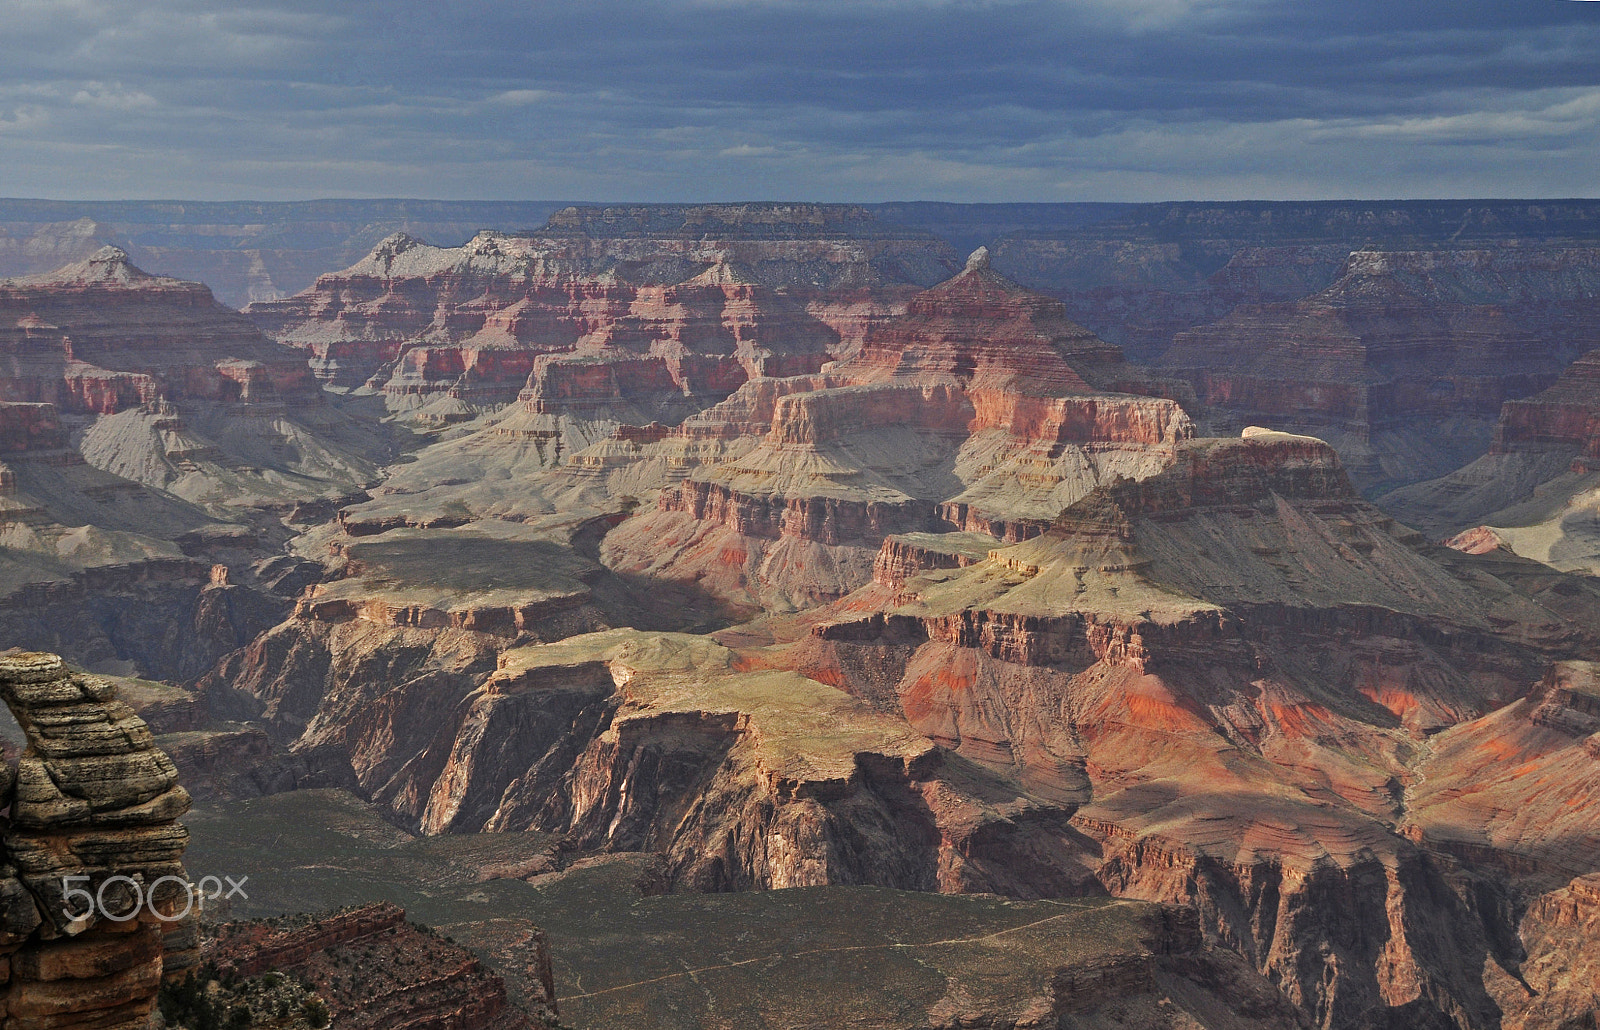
{"type": "Point", "coordinates": [850, 100]}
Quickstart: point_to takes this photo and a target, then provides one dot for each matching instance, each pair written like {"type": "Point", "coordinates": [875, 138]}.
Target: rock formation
{"type": "Point", "coordinates": [1554, 985]}
{"type": "Point", "coordinates": [97, 906]}
{"type": "Point", "coordinates": [244, 250]}
{"type": "Point", "coordinates": [984, 408]}
{"type": "Point", "coordinates": [623, 314]}
{"type": "Point", "coordinates": [1143, 645]}
{"type": "Point", "coordinates": [376, 971]}
{"type": "Point", "coordinates": [101, 336]}
{"type": "Point", "coordinates": [1404, 361]}
{"type": "Point", "coordinates": [172, 390]}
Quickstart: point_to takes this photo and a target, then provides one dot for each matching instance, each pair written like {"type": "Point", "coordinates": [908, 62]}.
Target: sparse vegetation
{"type": "Point", "coordinates": [213, 999]}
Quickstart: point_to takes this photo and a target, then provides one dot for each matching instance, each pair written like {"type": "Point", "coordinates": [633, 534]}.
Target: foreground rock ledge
{"type": "Point", "coordinates": [91, 797]}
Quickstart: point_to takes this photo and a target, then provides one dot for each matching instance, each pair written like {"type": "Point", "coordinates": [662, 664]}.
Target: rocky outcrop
{"type": "Point", "coordinates": [402, 975]}
{"type": "Point", "coordinates": [97, 906]}
{"type": "Point", "coordinates": [1553, 984]}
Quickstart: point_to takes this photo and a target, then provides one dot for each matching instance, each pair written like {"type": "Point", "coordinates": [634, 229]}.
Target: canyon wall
{"type": "Point", "coordinates": [1400, 341]}
{"type": "Point", "coordinates": [708, 296]}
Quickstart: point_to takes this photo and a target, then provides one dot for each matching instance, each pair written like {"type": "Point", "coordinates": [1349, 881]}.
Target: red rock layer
{"type": "Point", "coordinates": [824, 520]}
{"type": "Point", "coordinates": [981, 326]}
{"type": "Point", "coordinates": [421, 321]}
{"type": "Point", "coordinates": [101, 336]}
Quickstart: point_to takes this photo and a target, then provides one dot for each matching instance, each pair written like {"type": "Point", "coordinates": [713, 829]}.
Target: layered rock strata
{"type": "Point", "coordinates": [1138, 275]}
{"type": "Point", "coordinates": [1405, 360]}
{"type": "Point", "coordinates": [984, 409]}
{"type": "Point", "coordinates": [94, 811]}
{"type": "Point", "coordinates": [101, 336]}
{"type": "Point", "coordinates": [694, 308]}
{"type": "Point", "coordinates": [1247, 661]}
{"type": "Point", "coordinates": [403, 975]}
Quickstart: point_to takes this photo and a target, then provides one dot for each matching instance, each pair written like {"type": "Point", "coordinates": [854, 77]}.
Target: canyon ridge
{"type": "Point", "coordinates": [807, 615]}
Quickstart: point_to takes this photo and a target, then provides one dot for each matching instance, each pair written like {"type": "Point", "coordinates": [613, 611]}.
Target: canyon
{"type": "Point", "coordinates": [738, 552]}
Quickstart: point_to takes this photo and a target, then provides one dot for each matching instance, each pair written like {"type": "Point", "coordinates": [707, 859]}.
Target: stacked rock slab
{"type": "Point", "coordinates": [94, 807]}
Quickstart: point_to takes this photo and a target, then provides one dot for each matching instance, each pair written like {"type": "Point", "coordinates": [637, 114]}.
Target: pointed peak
{"type": "Point", "coordinates": [112, 260]}
{"type": "Point", "coordinates": [978, 260]}
{"type": "Point", "coordinates": [400, 248]}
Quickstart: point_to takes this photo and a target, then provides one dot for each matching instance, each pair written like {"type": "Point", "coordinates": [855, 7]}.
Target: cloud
{"type": "Point", "coordinates": [23, 118]}
{"type": "Point", "coordinates": [851, 99]}
{"type": "Point", "coordinates": [521, 97]}
{"type": "Point", "coordinates": [113, 97]}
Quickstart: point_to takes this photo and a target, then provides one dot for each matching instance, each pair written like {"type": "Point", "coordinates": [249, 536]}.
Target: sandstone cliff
{"type": "Point", "coordinates": [93, 807]}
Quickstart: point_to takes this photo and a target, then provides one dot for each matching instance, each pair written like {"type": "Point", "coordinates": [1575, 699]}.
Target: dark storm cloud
{"type": "Point", "coordinates": [722, 99]}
